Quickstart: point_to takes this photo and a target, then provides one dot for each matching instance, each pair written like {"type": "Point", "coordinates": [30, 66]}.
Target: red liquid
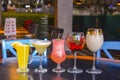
{"type": "Point", "coordinates": [75, 45]}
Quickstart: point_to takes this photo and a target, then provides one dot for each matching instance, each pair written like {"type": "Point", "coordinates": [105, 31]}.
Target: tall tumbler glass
{"type": "Point", "coordinates": [22, 56]}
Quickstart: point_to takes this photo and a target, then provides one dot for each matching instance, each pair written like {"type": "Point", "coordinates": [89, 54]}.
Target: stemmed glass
{"type": "Point", "coordinates": [58, 54]}
{"type": "Point", "coordinates": [75, 42]}
{"type": "Point", "coordinates": [94, 41]}
{"type": "Point", "coordinates": [40, 46]}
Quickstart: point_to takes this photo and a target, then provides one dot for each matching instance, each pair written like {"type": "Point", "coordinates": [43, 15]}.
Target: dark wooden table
{"type": "Point", "coordinates": [110, 70]}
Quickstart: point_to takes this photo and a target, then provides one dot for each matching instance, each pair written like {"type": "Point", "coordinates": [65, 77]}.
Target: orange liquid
{"type": "Point", "coordinates": [58, 58]}
{"type": "Point", "coordinates": [58, 54]}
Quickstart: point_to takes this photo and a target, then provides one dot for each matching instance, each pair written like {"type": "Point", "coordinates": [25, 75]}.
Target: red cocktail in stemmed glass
{"type": "Point", "coordinates": [75, 42]}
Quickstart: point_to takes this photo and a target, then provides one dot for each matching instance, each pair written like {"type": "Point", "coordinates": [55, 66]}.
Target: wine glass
{"type": "Point", "coordinates": [94, 41]}
{"type": "Point", "coordinates": [58, 54]}
{"type": "Point", "coordinates": [40, 46]}
{"type": "Point", "coordinates": [75, 42]}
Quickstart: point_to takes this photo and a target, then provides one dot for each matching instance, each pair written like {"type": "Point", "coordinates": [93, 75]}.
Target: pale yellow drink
{"type": "Point", "coordinates": [22, 56]}
{"type": "Point", "coordinates": [41, 46]}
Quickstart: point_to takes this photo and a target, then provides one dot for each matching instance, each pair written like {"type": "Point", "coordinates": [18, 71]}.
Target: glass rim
{"type": "Point", "coordinates": [37, 40]}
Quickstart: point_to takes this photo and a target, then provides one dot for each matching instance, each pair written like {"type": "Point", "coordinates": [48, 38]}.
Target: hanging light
{"type": "Point", "coordinates": [118, 3]}
{"type": "Point", "coordinates": [78, 2]}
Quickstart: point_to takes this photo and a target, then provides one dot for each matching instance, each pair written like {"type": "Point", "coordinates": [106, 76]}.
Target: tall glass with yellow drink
{"type": "Point", "coordinates": [22, 56]}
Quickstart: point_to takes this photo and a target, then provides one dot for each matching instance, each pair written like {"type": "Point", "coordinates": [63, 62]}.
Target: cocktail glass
{"type": "Point", "coordinates": [75, 42]}
{"type": "Point", "coordinates": [94, 41]}
{"type": "Point", "coordinates": [40, 46]}
{"type": "Point", "coordinates": [58, 54]}
{"type": "Point", "coordinates": [22, 56]}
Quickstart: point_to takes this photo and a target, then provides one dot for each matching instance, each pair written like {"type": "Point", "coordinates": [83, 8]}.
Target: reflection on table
{"type": "Point", "coordinates": [110, 70]}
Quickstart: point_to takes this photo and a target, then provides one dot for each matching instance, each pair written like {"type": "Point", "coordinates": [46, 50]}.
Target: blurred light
{"type": "Point", "coordinates": [118, 3]}
{"type": "Point", "coordinates": [2, 2]}
{"type": "Point", "coordinates": [110, 6]}
{"type": "Point", "coordinates": [9, 2]}
{"type": "Point", "coordinates": [78, 2]}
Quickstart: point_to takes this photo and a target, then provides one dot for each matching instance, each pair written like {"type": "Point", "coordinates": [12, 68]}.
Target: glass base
{"type": "Point", "coordinates": [22, 70]}
{"type": "Point", "coordinates": [58, 70]}
{"type": "Point", "coordinates": [72, 70]}
{"type": "Point", "coordinates": [94, 71]}
{"type": "Point", "coordinates": [40, 70]}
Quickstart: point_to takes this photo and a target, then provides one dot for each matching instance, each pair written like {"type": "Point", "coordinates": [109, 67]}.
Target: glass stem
{"type": "Point", "coordinates": [75, 54]}
{"type": "Point", "coordinates": [58, 66]}
{"type": "Point", "coordinates": [93, 76]}
{"type": "Point", "coordinates": [58, 74]}
{"type": "Point", "coordinates": [40, 74]}
{"type": "Point", "coordinates": [93, 67]}
{"type": "Point", "coordinates": [40, 66]}
{"type": "Point", "coordinates": [75, 76]}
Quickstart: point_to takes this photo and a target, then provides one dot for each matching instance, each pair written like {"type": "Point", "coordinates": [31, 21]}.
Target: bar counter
{"type": "Point", "coordinates": [110, 70]}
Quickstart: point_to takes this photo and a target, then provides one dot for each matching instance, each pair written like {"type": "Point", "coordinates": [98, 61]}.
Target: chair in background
{"type": "Point", "coordinates": [108, 45]}
{"type": "Point", "coordinates": [55, 33]}
{"type": "Point", "coordinates": [6, 45]}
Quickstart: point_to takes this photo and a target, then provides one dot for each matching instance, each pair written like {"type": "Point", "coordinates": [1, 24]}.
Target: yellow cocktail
{"type": "Point", "coordinates": [22, 56]}
{"type": "Point", "coordinates": [40, 46]}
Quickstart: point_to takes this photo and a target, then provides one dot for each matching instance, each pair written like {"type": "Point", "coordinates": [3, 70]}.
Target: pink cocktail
{"type": "Point", "coordinates": [58, 54]}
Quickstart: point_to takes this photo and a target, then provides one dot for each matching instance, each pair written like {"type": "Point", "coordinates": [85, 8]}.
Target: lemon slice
{"type": "Point", "coordinates": [14, 44]}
